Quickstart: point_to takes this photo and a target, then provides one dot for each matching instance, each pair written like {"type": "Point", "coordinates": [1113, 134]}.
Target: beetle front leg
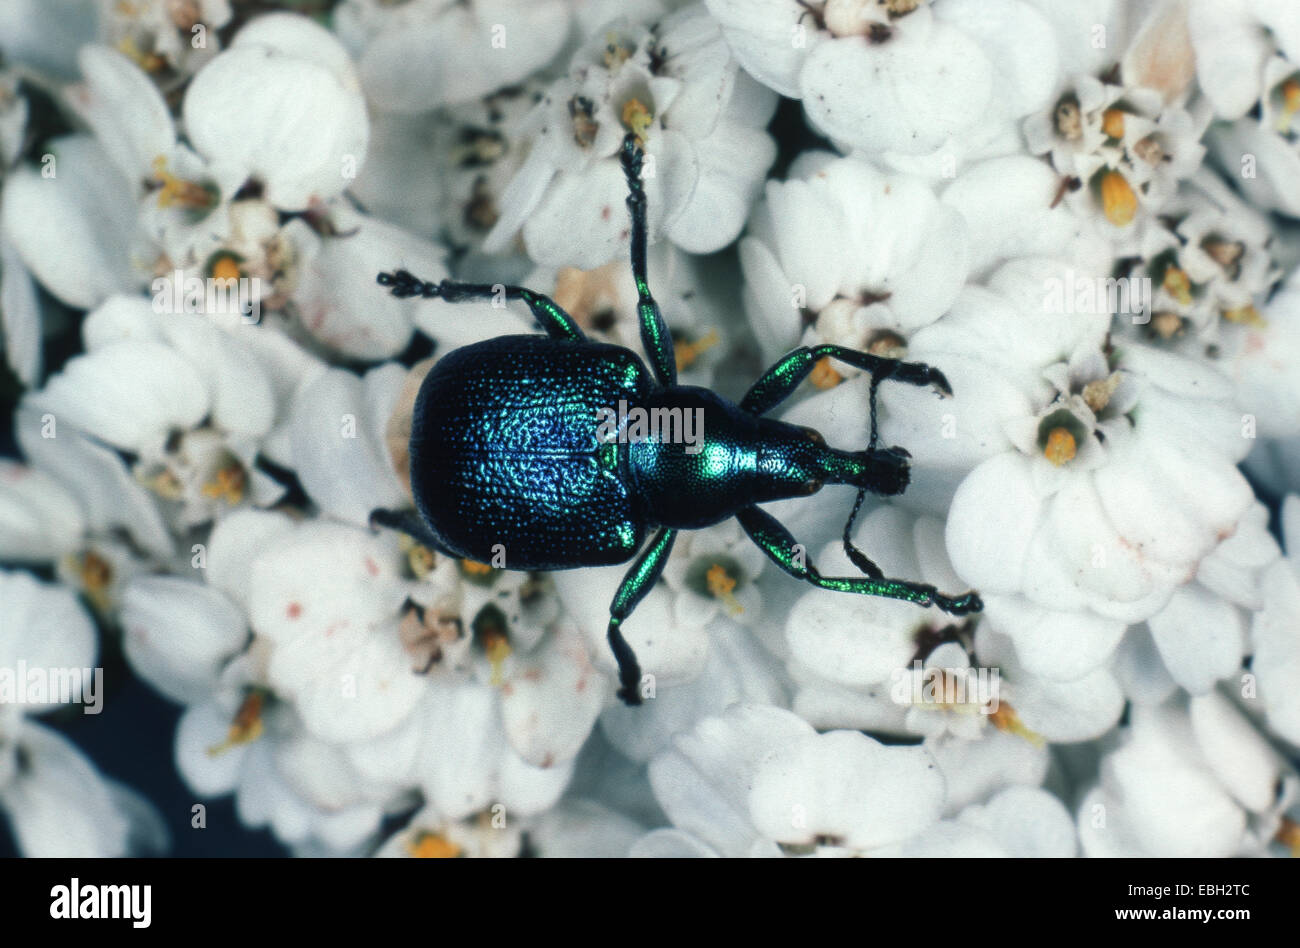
{"type": "Point", "coordinates": [640, 579]}
{"type": "Point", "coordinates": [780, 546]}
{"type": "Point", "coordinates": [655, 337]}
{"type": "Point", "coordinates": [549, 314]}
{"type": "Point", "coordinates": [780, 381]}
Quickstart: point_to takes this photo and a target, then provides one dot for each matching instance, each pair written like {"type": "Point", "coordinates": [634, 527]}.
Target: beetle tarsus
{"type": "Point", "coordinates": [629, 670]}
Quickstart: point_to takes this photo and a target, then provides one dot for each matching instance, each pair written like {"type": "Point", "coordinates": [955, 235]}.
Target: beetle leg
{"type": "Point", "coordinates": [779, 382]}
{"type": "Point", "coordinates": [410, 523]}
{"type": "Point", "coordinates": [655, 337]}
{"type": "Point", "coordinates": [548, 313]}
{"type": "Point", "coordinates": [640, 579]}
{"type": "Point", "coordinates": [777, 542]}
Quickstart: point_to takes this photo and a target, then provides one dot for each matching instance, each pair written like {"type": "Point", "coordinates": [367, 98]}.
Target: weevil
{"type": "Point", "coordinates": [505, 453]}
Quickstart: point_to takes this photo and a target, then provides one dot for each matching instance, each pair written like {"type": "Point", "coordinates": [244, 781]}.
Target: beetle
{"type": "Point", "coordinates": [505, 451]}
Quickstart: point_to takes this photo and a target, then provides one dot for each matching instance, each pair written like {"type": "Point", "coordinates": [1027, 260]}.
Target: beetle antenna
{"type": "Point", "coordinates": [404, 285]}
{"type": "Point", "coordinates": [855, 555]}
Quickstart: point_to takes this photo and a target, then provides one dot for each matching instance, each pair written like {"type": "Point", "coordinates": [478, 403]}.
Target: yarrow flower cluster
{"type": "Point", "coordinates": [1082, 214]}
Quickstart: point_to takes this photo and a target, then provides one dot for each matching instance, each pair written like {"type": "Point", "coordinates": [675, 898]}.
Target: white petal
{"type": "Point", "coordinates": [290, 122]}
{"type": "Point", "coordinates": [45, 626]}
{"type": "Point", "coordinates": [39, 519]}
{"type": "Point", "coordinates": [126, 393]}
{"type": "Point", "coordinates": [845, 785]}
{"type": "Point", "coordinates": [906, 95]}
{"type": "Point", "coordinates": [177, 634]}
{"type": "Point", "coordinates": [73, 230]}
{"type": "Point", "coordinates": [1027, 823]}
{"type": "Point", "coordinates": [1201, 638]}
{"type": "Point", "coordinates": [338, 449]}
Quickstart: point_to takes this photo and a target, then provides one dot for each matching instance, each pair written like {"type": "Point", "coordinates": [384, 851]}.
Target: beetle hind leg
{"type": "Point", "coordinates": [640, 579]}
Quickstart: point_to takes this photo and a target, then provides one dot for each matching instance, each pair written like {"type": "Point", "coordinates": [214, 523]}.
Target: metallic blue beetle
{"type": "Point", "coordinates": [506, 451]}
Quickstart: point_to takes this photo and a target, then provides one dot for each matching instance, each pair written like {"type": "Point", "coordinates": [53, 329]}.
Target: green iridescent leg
{"type": "Point", "coordinates": [780, 381]}
{"type": "Point", "coordinates": [548, 313]}
{"type": "Point", "coordinates": [639, 580]}
{"type": "Point", "coordinates": [654, 333]}
{"type": "Point", "coordinates": [776, 541]}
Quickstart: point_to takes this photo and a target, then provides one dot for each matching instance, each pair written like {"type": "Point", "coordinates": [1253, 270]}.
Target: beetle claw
{"type": "Point", "coordinates": [940, 383]}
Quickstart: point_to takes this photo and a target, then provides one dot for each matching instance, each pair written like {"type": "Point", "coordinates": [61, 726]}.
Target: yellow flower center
{"type": "Point", "coordinates": [1167, 325]}
{"type": "Point", "coordinates": [1061, 446]}
{"type": "Point", "coordinates": [227, 484]}
{"type": "Point", "coordinates": [1069, 120]}
{"type": "Point", "coordinates": [1290, 104]}
{"type": "Point", "coordinates": [637, 118]}
{"type": "Point", "coordinates": [165, 484]}
{"type": "Point", "coordinates": [1118, 199]}
{"type": "Point", "coordinates": [1006, 719]}
{"type": "Point", "coordinates": [226, 268]}
{"type": "Point", "coordinates": [432, 846]}
{"type": "Point", "coordinates": [687, 352]}
{"type": "Point", "coordinates": [149, 62]}
{"type": "Point", "coordinates": [1288, 834]}
{"type": "Point", "coordinates": [95, 574]}
{"type": "Point", "coordinates": [1177, 284]}
{"type": "Point", "coordinates": [247, 724]}
{"type": "Point", "coordinates": [722, 585]}
{"type": "Point", "coordinates": [178, 191]}
{"type": "Point", "coordinates": [1245, 315]}
{"type": "Point", "coordinates": [498, 650]}
{"type": "Point", "coordinates": [1097, 393]}
{"type": "Point", "coordinates": [823, 374]}
{"type": "Point", "coordinates": [617, 51]}
{"type": "Point", "coordinates": [474, 568]}
{"type": "Point", "coordinates": [419, 558]}
{"type": "Point", "coordinates": [1112, 123]}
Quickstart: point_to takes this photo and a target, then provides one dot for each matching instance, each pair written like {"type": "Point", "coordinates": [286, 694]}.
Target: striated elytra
{"type": "Point", "coordinates": [508, 452]}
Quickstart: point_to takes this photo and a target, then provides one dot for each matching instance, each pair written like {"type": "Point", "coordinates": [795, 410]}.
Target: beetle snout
{"type": "Point", "coordinates": [888, 471]}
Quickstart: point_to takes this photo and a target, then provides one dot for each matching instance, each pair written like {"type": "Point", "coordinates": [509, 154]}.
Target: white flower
{"type": "Point", "coordinates": [1189, 778]}
{"type": "Point", "coordinates": [59, 806]}
{"type": "Point", "coordinates": [337, 428]}
{"type": "Point", "coordinates": [455, 750]}
{"type": "Point", "coordinates": [845, 254]}
{"type": "Point", "coordinates": [926, 85]}
{"type": "Point", "coordinates": [1276, 651]}
{"type": "Point", "coordinates": [1233, 41]}
{"type": "Point", "coordinates": [326, 598]}
{"type": "Point", "coordinates": [169, 38]}
{"type": "Point", "coordinates": [1264, 153]}
{"type": "Point", "coordinates": [421, 54]}
{"type": "Point", "coordinates": [1076, 522]}
{"type": "Point", "coordinates": [178, 634]}
{"type": "Point", "coordinates": [246, 741]}
{"type": "Point", "coordinates": [74, 230]}
{"type": "Point", "coordinates": [283, 106]}
{"type": "Point", "coordinates": [757, 780]}
{"type": "Point", "coordinates": [701, 120]}
{"type": "Point", "coordinates": [1023, 822]}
